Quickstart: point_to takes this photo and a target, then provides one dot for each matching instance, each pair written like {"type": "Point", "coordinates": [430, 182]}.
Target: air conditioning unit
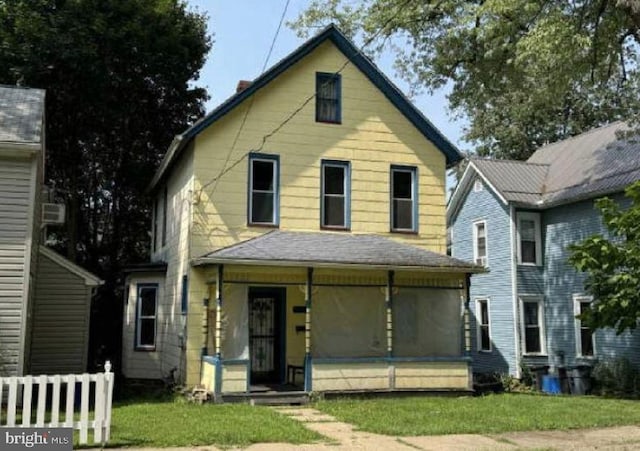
{"type": "Point", "coordinates": [53, 213]}
{"type": "Point", "coordinates": [481, 261]}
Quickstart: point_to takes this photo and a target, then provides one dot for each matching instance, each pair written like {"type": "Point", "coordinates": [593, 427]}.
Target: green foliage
{"type": "Point", "coordinates": [491, 414]}
{"type": "Point", "coordinates": [612, 265]}
{"type": "Point", "coordinates": [117, 75]}
{"type": "Point", "coordinates": [617, 377]}
{"type": "Point", "coordinates": [525, 72]}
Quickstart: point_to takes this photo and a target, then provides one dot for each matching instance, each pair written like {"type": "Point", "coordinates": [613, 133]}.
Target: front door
{"type": "Point", "coordinates": [266, 334]}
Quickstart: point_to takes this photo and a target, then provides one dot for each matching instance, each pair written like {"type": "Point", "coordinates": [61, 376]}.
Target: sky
{"type": "Point", "coordinates": [243, 31]}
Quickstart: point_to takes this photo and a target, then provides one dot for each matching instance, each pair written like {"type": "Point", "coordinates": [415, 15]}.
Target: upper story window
{"type": "Point", "coordinates": [404, 199]}
{"type": "Point", "coordinates": [484, 329]}
{"type": "Point", "coordinates": [263, 189]}
{"type": "Point", "coordinates": [480, 243]}
{"type": "Point", "coordinates": [164, 217]}
{"type": "Point", "coordinates": [477, 185]}
{"type": "Point", "coordinates": [532, 324]}
{"type": "Point", "coordinates": [529, 239]}
{"type": "Point", "coordinates": [328, 102]}
{"type": "Point", "coordinates": [585, 346]}
{"type": "Point", "coordinates": [146, 317]}
{"type": "Point", "coordinates": [335, 194]}
{"type": "Point", "coordinates": [184, 299]}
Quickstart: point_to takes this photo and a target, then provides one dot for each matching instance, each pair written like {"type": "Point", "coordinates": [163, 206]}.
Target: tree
{"type": "Point", "coordinates": [524, 72]}
{"type": "Point", "coordinates": [612, 265]}
{"type": "Point", "coordinates": [117, 75]}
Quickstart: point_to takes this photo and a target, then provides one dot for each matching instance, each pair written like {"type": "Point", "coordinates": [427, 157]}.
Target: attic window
{"type": "Point", "coordinates": [328, 92]}
{"type": "Point", "coordinates": [477, 185]}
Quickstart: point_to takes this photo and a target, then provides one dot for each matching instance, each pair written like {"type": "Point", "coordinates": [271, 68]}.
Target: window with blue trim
{"type": "Point", "coordinates": [146, 317]}
{"type": "Point", "coordinates": [184, 304]}
{"type": "Point", "coordinates": [404, 199]}
{"type": "Point", "coordinates": [335, 194]}
{"type": "Point", "coordinates": [263, 189]}
{"type": "Point", "coordinates": [328, 101]}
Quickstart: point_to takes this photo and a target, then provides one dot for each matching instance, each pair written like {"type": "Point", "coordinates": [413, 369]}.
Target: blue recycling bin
{"type": "Point", "coordinates": [551, 384]}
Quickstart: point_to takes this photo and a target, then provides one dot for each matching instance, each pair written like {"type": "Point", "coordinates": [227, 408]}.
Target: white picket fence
{"type": "Point", "coordinates": [16, 393]}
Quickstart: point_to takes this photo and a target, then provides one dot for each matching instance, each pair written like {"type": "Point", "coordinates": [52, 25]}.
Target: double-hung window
{"type": "Point", "coordinates": [529, 239]}
{"type": "Point", "coordinates": [404, 199]}
{"type": "Point", "coordinates": [480, 243]}
{"type": "Point", "coordinates": [584, 335]}
{"type": "Point", "coordinates": [263, 189]}
{"type": "Point", "coordinates": [335, 194]}
{"type": "Point", "coordinates": [484, 329]}
{"type": "Point", "coordinates": [146, 317]}
{"type": "Point", "coordinates": [328, 102]}
{"type": "Point", "coordinates": [532, 324]}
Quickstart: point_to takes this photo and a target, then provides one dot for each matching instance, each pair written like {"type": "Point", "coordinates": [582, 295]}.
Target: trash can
{"type": "Point", "coordinates": [551, 384]}
{"type": "Point", "coordinates": [581, 380]}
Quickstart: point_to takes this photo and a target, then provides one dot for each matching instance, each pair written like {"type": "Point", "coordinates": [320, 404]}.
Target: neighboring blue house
{"type": "Point", "coordinates": [517, 219]}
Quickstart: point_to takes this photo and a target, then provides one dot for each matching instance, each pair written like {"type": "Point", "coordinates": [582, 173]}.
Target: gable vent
{"type": "Point", "coordinates": [53, 213]}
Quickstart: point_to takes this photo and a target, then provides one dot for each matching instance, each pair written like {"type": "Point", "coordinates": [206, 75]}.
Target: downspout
{"type": "Point", "coordinates": [514, 288]}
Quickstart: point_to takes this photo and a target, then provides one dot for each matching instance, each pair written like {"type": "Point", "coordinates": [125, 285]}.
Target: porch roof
{"type": "Point", "coordinates": [281, 248]}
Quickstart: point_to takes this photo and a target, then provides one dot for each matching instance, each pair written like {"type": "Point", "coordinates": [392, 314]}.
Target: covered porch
{"type": "Point", "coordinates": [382, 316]}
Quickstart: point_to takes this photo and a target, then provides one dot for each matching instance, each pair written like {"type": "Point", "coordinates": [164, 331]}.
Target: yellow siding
{"type": "Point", "coordinates": [372, 136]}
{"type": "Point", "coordinates": [432, 375]}
{"type": "Point", "coordinates": [234, 378]}
{"type": "Point", "coordinates": [350, 376]}
{"type": "Point", "coordinates": [208, 380]}
{"type": "Point", "coordinates": [295, 340]}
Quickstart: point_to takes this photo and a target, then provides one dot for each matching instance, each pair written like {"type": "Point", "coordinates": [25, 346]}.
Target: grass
{"type": "Point", "coordinates": [481, 415]}
{"type": "Point", "coordinates": [148, 423]}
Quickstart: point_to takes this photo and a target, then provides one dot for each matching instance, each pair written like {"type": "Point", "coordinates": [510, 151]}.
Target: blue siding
{"type": "Point", "coordinates": [562, 226]}
{"type": "Point", "coordinates": [494, 285]}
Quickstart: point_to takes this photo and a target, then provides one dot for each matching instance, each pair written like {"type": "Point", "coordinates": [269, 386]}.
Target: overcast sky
{"type": "Point", "coordinates": [243, 31]}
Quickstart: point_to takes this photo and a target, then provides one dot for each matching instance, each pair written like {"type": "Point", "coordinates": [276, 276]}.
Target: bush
{"type": "Point", "coordinates": [617, 377]}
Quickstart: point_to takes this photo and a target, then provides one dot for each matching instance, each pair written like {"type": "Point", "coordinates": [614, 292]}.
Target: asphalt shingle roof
{"type": "Point", "coordinates": [21, 114]}
{"type": "Point", "coordinates": [594, 163]}
{"type": "Point", "coordinates": [301, 248]}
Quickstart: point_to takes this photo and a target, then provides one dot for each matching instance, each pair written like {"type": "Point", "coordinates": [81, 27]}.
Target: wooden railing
{"type": "Point", "coordinates": [16, 402]}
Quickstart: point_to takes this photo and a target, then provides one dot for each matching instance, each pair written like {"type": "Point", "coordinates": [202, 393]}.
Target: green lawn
{"type": "Point", "coordinates": [486, 414]}
{"type": "Point", "coordinates": [144, 423]}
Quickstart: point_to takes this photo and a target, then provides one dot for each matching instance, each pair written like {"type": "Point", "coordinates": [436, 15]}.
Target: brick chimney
{"type": "Point", "coordinates": [242, 85]}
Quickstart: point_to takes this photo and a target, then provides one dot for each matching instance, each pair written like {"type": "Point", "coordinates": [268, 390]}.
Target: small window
{"type": "Point", "coordinates": [328, 94]}
{"type": "Point", "coordinates": [404, 194]}
{"type": "Point", "coordinates": [480, 243]}
{"type": "Point", "coordinates": [484, 331]}
{"type": "Point", "coordinates": [532, 327]}
{"type": "Point", "coordinates": [263, 189]}
{"type": "Point", "coordinates": [477, 185]}
{"type": "Point", "coordinates": [146, 316]}
{"type": "Point", "coordinates": [335, 194]}
{"type": "Point", "coordinates": [164, 217]}
{"type": "Point", "coordinates": [529, 239]}
{"type": "Point", "coordinates": [585, 346]}
{"type": "Point", "coordinates": [184, 300]}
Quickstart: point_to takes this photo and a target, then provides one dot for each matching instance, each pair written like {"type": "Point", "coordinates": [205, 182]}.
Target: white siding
{"type": "Point", "coordinates": [15, 191]}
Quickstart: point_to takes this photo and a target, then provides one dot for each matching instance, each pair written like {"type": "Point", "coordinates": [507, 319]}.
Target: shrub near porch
{"type": "Point", "coordinates": [480, 415]}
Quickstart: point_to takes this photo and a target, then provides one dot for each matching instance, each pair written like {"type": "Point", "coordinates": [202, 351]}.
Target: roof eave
{"type": "Point", "coordinates": [205, 261]}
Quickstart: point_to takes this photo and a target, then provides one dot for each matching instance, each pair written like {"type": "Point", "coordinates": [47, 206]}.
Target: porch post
{"type": "Point", "coordinates": [218, 345]}
{"type": "Point", "coordinates": [307, 331]}
{"type": "Point", "coordinates": [388, 300]}
{"type": "Point", "coordinates": [467, 314]}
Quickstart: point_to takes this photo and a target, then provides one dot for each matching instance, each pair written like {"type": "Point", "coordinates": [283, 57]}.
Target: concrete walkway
{"type": "Point", "coordinates": [342, 436]}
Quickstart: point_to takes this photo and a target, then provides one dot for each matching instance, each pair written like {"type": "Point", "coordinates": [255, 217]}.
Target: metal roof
{"type": "Point", "coordinates": [21, 114]}
{"type": "Point", "coordinates": [332, 250]}
{"type": "Point", "coordinates": [517, 181]}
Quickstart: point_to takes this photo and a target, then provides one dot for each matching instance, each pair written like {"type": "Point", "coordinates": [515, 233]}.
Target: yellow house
{"type": "Point", "coordinates": [298, 241]}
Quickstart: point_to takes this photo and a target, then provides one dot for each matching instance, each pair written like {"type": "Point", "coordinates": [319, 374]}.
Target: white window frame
{"type": "Point", "coordinates": [577, 300]}
{"type": "Point", "coordinates": [346, 196]}
{"type": "Point", "coordinates": [478, 186]}
{"type": "Point", "coordinates": [475, 243]}
{"type": "Point", "coordinates": [535, 217]}
{"type": "Point", "coordinates": [479, 324]}
{"type": "Point", "coordinates": [541, 324]}
{"type": "Point", "coordinates": [139, 317]}
{"type": "Point", "coordinates": [414, 198]}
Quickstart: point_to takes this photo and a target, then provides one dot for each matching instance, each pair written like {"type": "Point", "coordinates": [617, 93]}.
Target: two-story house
{"type": "Point", "coordinates": [44, 298]}
{"type": "Point", "coordinates": [298, 236]}
{"type": "Point", "coordinates": [517, 219]}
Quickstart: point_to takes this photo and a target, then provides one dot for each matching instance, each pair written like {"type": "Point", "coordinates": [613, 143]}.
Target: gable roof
{"type": "Point", "coordinates": [594, 163]}
{"type": "Point", "coordinates": [21, 115]}
{"type": "Point", "coordinates": [355, 56]}
{"type": "Point", "coordinates": [332, 250]}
